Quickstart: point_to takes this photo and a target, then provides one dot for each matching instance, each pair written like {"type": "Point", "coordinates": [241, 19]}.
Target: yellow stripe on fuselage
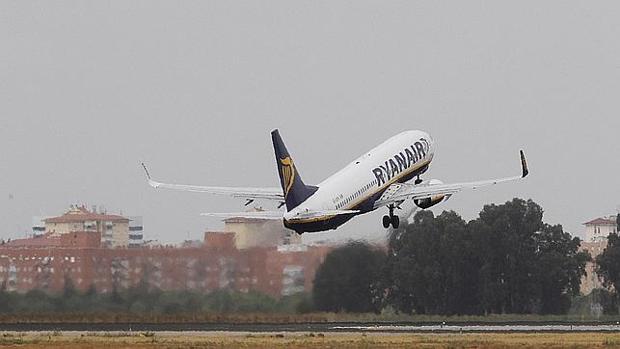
{"type": "Point", "coordinates": [365, 197]}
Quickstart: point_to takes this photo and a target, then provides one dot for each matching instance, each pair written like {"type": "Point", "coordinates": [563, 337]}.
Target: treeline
{"type": "Point", "coordinates": [507, 261]}
{"type": "Point", "coordinates": [148, 301]}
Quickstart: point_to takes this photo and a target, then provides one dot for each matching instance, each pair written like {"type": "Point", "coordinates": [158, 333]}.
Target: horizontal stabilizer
{"type": "Point", "coordinates": [277, 215]}
{"type": "Point", "coordinates": [323, 213]}
{"type": "Point", "coordinates": [270, 215]}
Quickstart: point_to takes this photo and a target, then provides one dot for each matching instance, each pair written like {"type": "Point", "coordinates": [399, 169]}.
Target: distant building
{"type": "Point", "coordinates": [598, 229]}
{"type": "Point", "coordinates": [136, 232]}
{"type": "Point", "coordinates": [256, 232]}
{"type": "Point", "coordinates": [42, 240]}
{"type": "Point", "coordinates": [38, 225]}
{"type": "Point", "coordinates": [219, 240]}
{"type": "Point", "coordinates": [46, 262]}
{"type": "Point", "coordinates": [114, 229]}
{"type": "Point", "coordinates": [595, 243]}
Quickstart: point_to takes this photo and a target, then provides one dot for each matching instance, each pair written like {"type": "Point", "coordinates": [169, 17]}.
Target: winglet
{"type": "Point", "coordinates": [152, 183]}
{"type": "Point", "coordinates": [526, 171]}
{"type": "Point", "coordinates": [146, 170]}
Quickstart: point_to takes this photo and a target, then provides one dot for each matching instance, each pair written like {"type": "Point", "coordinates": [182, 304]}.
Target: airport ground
{"type": "Point", "coordinates": [341, 340]}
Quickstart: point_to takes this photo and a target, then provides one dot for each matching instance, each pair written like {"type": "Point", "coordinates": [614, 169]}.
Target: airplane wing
{"type": "Point", "coordinates": [279, 215]}
{"type": "Point", "coordinates": [271, 215]}
{"type": "Point", "coordinates": [237, 192]}
{"type": "Point", "coordinates": [399, 192]}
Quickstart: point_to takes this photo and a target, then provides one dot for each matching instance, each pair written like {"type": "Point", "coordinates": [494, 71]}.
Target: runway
{"type": "Point", "coordinates": [313, 327]}
{"type": "Point", "coordinates": [479, 328]}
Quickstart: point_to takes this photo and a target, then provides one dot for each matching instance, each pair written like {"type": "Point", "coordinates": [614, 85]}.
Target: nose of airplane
{"type": "Point", "coordinates": [429, 138]}
{"type": "Point", "coordinates": [431, 143]}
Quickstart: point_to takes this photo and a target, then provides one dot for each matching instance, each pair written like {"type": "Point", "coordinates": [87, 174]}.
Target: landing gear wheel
{"type": "Point", "coordinates": [386, 221]}
{"type": "Point", "coordinates": [418, 180]}
{"type": "Point", "coordinates": [391, 219]}
{"type": "Point", "coordinates": [395, 222]}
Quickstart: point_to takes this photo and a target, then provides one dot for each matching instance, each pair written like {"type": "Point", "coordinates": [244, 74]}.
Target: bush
{"type": "Point", "coordinates": [139, 301]}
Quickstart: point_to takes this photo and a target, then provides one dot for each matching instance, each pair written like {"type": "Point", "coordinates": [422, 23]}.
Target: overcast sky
{"type": "Point", "coordinates": [88, 89]}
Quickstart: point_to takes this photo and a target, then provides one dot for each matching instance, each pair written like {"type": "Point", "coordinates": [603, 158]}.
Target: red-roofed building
{"type": "Point", "coordinates": [598, 229]}
{"type": "Point", "coordinates": [254, 254]}
{"type": "Point", "coordinates": [35, 241]}
{"type": "Point", "coordinates": [28, 264]}
{"type": "Point", "coordinates": [112, 229]}
{"type": "Point", "coordinates": [595, 242]}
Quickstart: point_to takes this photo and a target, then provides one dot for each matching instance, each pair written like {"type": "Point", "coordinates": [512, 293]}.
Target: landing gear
{"type": "Point", "coordinates": [418, 180]}
{"type": "Point", "coordinates": [386, 221]}
{"type": "Point", "coordinates": [395, 222]}
{"type": "Point", "coordinates": [391, 219]}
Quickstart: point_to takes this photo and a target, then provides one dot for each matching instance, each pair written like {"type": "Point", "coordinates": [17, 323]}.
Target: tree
{"type": "Point", "coordinates": [559, 268]}
{"type": "Point", "coordinates": [5, 299]}
{"type": "Point", "coordinates": [509, 256]}
{"type": "Point", "coordinates": [528, 266]}
{"type": "Point", "coordinates": [348, 279]}
{"type": "Point", "coordinates": [608, 263]}
{"type": "Point", "coordinates": [506, 261]}
{"type": "Point", "coordinates": [429, 266]}
{"type": "Point", "coordinates": [69, 289]}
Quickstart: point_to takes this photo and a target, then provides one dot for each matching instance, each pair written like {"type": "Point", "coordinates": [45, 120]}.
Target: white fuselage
{"type": "Point", "coordinates": [364, 180]}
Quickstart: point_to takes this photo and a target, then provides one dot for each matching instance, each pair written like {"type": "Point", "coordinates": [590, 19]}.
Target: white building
{"type": "Point", "coordinates": [595, 242]}
{"type": "Point", "coordinates": [114, 229]}
{"type": "Point", "coordinates": [136, 231]}
{"type": "Point", "coordinates": [598, 229]}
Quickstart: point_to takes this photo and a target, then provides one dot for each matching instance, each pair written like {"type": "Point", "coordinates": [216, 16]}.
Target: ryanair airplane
{"type": "Point", "coordinates": [379, 178]}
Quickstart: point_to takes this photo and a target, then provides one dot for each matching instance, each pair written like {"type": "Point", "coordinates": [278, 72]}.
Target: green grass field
{"type": "Point", "coordinates": [279, 318]}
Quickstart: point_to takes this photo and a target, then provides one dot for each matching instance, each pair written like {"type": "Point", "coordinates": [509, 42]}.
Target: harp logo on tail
{"type": "Point", "coordinates": [288, 174]}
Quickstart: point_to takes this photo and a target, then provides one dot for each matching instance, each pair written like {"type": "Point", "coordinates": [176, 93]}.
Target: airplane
{"type": "Point", "coordinates": [378, 178]}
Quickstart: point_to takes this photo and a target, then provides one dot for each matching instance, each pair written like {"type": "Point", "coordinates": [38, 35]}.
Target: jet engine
{"type": "Point", "coordinates": [433, 200]}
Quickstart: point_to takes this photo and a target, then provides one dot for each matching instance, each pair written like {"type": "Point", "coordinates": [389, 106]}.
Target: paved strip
{"type": "Point", "coordinates": [482, 328]}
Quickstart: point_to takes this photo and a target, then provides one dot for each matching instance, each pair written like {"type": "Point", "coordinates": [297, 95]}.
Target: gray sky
{"type": "Point", "coordinates": [88, 89]}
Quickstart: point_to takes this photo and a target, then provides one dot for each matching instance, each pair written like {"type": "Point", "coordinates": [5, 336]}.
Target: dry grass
{"type": "Point", "coordinates": [221, 340]}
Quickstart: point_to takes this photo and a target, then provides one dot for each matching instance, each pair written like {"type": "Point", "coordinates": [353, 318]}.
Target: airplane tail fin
{"type": "Point", "coordinates": [295, 191]}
